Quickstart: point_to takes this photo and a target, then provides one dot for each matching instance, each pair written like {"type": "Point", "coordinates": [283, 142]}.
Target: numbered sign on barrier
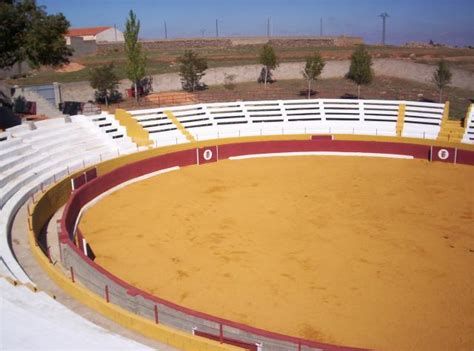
{"type": "Point", "coordinates": [207, 154]}
{"type": "Point", "coordinates": [443, 154]}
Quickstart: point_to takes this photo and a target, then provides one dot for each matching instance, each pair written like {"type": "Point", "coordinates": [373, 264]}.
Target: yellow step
{"type": "Point", "coordinates": [179, 126]}
{"type": "Point", "coordinates": [400, 119]}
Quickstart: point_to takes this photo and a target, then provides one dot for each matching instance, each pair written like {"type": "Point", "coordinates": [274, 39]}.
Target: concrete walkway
{"type": "Point", "coordinates": [20, 245]}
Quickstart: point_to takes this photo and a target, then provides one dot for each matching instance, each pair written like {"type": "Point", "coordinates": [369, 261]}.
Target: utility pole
{"type": "Point", "coordinates": [321, 27]}
{"type": "Point", "coordinates": [384, 16]}
{"type": "Point", "coordinates": [115, 31]}
{"type": "Point", "coordinates": [217, 28]}
{"type": "Point", "coordinates": [268, 26]}
{"type": "Point", "coordinates": [166, 30]}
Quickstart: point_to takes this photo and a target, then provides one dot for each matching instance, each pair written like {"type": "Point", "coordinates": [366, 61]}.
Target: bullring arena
{"type": "Point", "coordinates": [264, 225]}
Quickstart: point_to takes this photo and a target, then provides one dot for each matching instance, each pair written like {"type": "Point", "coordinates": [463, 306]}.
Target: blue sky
{"type": "Point", "coordinates": [446, 21]}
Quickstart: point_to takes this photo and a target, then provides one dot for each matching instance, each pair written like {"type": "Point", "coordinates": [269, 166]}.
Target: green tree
{"type": "Point", "coordinates": [136, 58]}
{"type": "Point", "coordinates": [313, 68]}
{"type": "Point", "coordinates": [105, 81]}
{"type": "Point", "coordinates": [360, 71]}
{"type": "Point", "coordinates": [28, 33]}
{"type": "Point", "coordinates": [269, 61]}
{"type": "Point", "coordinates": [442, 77]}
{"type": "Point", "coordinates": [191, 69]}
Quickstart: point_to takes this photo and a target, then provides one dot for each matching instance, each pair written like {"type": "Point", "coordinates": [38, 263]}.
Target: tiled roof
{"type": "Point", "coordinates": [79, 32]}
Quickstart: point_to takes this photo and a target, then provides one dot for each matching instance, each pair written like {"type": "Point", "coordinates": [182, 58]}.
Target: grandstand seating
{"type": "Point", "coordinates": [233, 119]}
{"type": "Point", "coordinates": [109, 126]}
{"type": "Point", "coordinates": [38, 317]}
{"type": "Point", "coordinates": [36, 154]}
{"type": "Point", "coordinates": [31, 156]}
{"type": "Point", "coordinates": [468, 137]}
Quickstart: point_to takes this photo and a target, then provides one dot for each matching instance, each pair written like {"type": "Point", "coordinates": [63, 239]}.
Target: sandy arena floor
{"type": "Point", "coordinates": [365, 252]}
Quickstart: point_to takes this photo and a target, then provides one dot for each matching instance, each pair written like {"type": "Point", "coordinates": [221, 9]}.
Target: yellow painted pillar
{"type": "Point", "coordinates": [400, 119]}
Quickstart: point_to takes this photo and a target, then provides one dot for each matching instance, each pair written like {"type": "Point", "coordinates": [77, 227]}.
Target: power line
{"type": "Point", "coordinates": [384, 16]}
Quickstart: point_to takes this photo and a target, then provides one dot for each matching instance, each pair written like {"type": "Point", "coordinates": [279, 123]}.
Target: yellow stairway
{"type": "Point", "coordinates": [135, 131]}
{"type": "Point", "coordinates": [451, 130]}
{"type": "Point", "coordinates": [400, 119]}
{"type": "Point", "coordinates": [178, 125]}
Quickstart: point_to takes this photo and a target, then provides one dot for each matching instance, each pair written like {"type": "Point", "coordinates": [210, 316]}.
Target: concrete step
{"type": "Point", "coordinates": [445, 127]}
{"type": "Point", "coordinates": [449, 139]}
{"type": "Point", "coordinates": [43, 106]}
{"type": "Point", "coordinates": [450, 133]}
{"type": "Point", "coordinates": [453, 122]}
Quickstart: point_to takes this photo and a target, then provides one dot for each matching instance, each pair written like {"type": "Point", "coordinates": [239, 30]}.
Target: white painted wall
{"type": "Point", "coordinates": [111, 34]}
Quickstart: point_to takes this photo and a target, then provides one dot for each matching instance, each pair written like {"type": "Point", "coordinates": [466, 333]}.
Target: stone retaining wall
{"type": "Point", "coordinates": [229, 42]}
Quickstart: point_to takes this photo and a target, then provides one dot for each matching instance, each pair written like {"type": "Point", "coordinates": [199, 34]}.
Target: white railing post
{"type": "Point", "coordinates": [282, 107]}
{"type": "Point", "coordinates": [361, 111]}
{"type": "Point", "coordinates": [321, 110]}
{"type": "Point", "coordinates": [244, 111]}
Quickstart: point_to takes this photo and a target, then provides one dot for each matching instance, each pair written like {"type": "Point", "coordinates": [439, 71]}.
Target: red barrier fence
{"type": "Point", "coordinates": [214, 327]}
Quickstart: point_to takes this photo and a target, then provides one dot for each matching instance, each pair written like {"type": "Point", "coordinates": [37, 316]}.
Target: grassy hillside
{"type": "Point", "coordinates": [164, 61]}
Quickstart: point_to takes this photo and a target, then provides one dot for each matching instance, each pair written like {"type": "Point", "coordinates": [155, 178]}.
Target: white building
{"type": "Point", "coordinates": [97, 34]}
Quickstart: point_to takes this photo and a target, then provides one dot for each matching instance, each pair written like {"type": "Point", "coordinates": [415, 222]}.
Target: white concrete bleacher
{"type": "Point", "coordinates": [160, 129]}
{"type": "Point", "coordinates": [33, 320]}
{"type": "Point", "coordinates": [468, 136]}
{"type": "Point", "coordinates": [37, 154]}
{"type": "Point", "coordinates": [317, 116]}
{"type": "Point", "coordinates": [422, 120]}
{"type": "Point", "coordinates": [4, 136]}
{"type": "Point", "coordinates": [33, 155]}
{"type": "Point", "coordinates": [108, 125]}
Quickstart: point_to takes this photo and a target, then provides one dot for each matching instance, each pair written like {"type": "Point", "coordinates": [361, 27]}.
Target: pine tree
{"type": "Point", "coordinates": [136, 58]}
{"type": "Point", "coordinates": [360, 71]}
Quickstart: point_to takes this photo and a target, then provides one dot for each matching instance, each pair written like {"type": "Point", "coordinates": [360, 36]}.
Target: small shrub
{"type": "Point", "coordinates": [269, 60]}
{"type": "Point", "coordinates": [192, 68]}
